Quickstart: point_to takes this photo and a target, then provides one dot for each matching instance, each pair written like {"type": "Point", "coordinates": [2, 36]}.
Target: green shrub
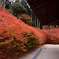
{"type": "Point", "coordinates": [27, 19]}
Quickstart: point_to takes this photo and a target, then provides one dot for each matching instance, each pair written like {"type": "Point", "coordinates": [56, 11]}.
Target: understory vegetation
{"type": "Point", "coordinates": [17, 37]}
{"type": "Point", "coordinates": [26, 19]}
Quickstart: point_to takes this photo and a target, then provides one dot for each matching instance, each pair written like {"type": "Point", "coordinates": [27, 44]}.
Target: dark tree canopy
{"type": "Point", "coordinates": [18, 9]}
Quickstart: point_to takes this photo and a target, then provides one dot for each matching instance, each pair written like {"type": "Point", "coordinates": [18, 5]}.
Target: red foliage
{"type": "Point", "coordinates": [53, 36]}
{"type": "Point", "coordinates": [16, 36]}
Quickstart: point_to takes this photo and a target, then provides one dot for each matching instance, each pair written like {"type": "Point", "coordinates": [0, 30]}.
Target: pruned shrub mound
{"type": "Point", "coordinates": [26, 19]}
{"type": "Point", "coordinates": [52, 36]}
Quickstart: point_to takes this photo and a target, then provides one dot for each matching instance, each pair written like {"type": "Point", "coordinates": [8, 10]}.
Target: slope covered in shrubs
{"type": "Point", "coordinates": [17, 37]}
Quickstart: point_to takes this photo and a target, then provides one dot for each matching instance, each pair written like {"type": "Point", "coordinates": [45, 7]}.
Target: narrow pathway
{"type": "Point", "coordinates": [47, 51]}
{"type": "Point", "coordinates": [49, 54]}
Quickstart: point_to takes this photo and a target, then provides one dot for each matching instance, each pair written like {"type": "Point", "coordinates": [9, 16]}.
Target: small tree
{"type": "Point", "coordinates": [18, 9]}
{"type": "Point", "coordinates": [27, 19]}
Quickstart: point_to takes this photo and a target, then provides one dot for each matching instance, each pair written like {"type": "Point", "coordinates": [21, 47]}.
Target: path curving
{"type": "Point", "coordinates": [47, 51]}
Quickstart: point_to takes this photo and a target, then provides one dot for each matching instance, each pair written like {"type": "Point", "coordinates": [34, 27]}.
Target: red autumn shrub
{"type": "Point", "coordinates": [53, 36]}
